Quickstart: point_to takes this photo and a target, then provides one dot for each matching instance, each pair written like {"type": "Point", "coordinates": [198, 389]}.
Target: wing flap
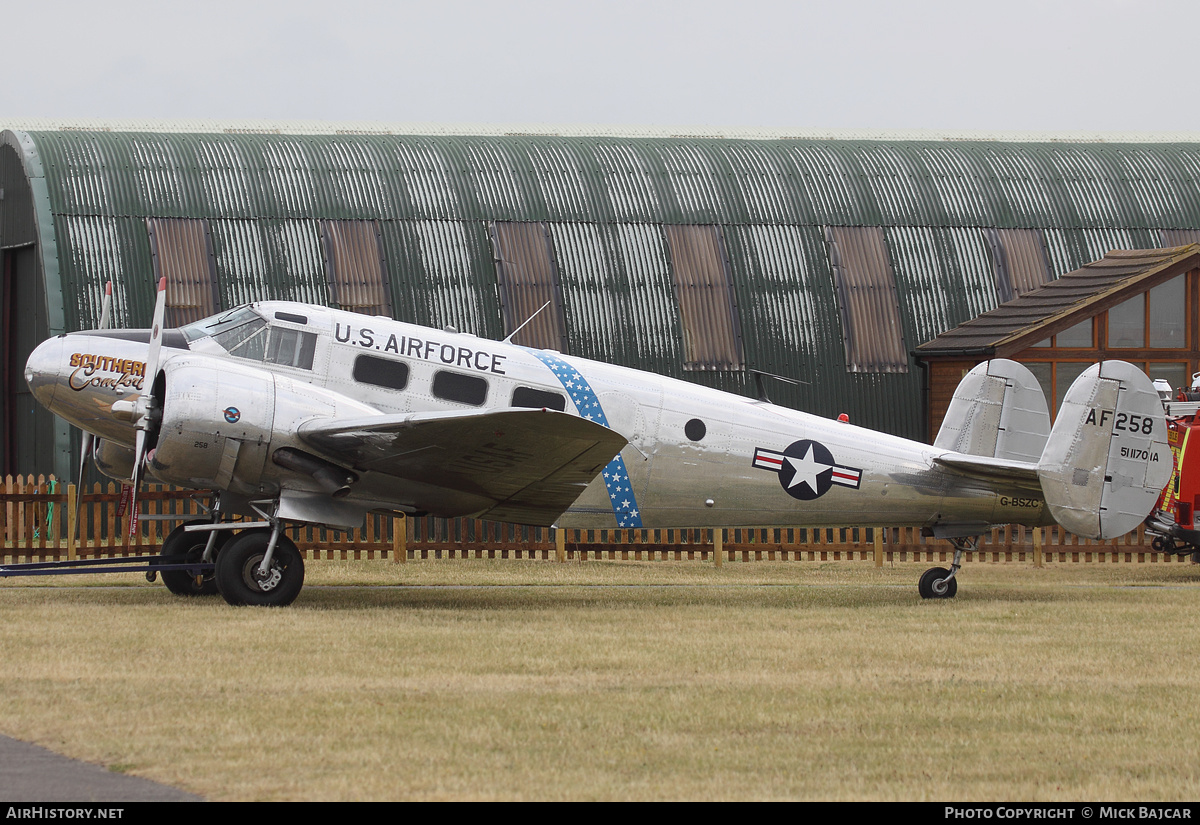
{"type": "Point", "coordinates": [532, 464]}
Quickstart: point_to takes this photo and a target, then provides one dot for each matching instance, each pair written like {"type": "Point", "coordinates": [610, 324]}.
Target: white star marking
{"type": "Point", "coordinates": [806, 469]}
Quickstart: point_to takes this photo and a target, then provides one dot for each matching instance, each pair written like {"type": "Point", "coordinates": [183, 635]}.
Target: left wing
{"type": "Point", "coordinates": [532, 464]}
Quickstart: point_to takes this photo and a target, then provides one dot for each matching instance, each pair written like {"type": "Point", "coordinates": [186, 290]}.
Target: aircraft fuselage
{"type": "Point", "coordinates": [696, 456]}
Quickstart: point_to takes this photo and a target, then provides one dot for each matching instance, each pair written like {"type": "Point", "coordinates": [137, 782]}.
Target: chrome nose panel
{"type": "Point", "coordinates": [44, 369]}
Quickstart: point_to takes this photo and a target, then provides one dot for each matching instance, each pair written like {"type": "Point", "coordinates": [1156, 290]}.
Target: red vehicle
{"type": "Point", "coordinates": [1173, 521]}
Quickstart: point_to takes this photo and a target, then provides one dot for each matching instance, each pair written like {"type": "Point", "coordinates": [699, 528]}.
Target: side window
{"type": "Point", "coordinates": [464, 389]}
{"type": "Point", "coordinates": [538, 399]}
{"type": "Point", "coordinates": [381, 372]}
{"type": "Point", "coordinates": [291, 347]}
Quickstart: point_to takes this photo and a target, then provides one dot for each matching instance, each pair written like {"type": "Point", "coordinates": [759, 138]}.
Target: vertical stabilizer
{"type": "Point", "coordinates": [1107, 458]}
{"type": "Point", "coordinates": [998, 411]}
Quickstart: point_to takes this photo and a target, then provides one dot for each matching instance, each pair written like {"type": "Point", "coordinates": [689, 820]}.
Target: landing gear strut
{"type": "Point", "coordinates": [181, 546]}
{"type": "Point", "coordinates": [940, 583]}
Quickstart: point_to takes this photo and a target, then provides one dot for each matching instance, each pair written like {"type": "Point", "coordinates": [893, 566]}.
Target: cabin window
{"type": "Point", "coordinates": [872, 334]}
{"type": "Point", "coordinates": [538, 399]}
{"type": "Point", "coordinates": [291, 348]}
{"type": "Point", "coordinates": [462, 389]}
{"type": "Point", "coordinates": [712, 336]}
{"type": "Point", "coordinates": [382, 372]}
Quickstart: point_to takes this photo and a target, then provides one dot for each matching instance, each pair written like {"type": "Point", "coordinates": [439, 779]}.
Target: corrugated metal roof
{"type": "Point", "coordinates": [1063, 303]}
{"type": "Point", "coordinates": [369, 127]}
{"type": "Point", "coordinates": [598, 178]}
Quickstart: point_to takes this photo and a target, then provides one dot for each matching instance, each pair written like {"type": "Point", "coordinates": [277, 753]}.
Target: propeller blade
{"type": "Point", "coordinates": [139, 448]}
{"type": "Point", "coordinates": [146, 400]}
{"type": "Point", "coordinates": [156, 331]}
{"type": "Point", "coordinates": [88, 442]}
{"type": "Point", "coordinates": [106, 307]}
{"type": "Point", "coordinates": [85, 452]}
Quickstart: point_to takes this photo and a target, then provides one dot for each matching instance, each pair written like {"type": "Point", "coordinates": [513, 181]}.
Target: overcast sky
{"type": "Point", "coordinates": [1017, 65]}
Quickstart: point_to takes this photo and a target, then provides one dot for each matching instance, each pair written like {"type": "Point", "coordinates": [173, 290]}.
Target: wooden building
{"type": "Point", "coordinates": [1141, 306]}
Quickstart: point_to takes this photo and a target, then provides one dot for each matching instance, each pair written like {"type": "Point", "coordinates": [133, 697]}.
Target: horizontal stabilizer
{"type": "Point", "coordinates": [530, 464]}
{"type": "Point", "coordinates": [990, 467]}
{"type": "Point", "coordinates": [1107, 458]}
{"type": "Point", "coordinates": [998, 411]}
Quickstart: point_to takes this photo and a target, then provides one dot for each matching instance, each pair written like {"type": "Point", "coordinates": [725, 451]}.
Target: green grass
{"type": "Point", "coordinates": [624, 680]}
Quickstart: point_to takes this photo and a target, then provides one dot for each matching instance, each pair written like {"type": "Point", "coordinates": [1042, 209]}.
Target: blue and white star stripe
{"type": "Point", "coordinates": [616, 477]}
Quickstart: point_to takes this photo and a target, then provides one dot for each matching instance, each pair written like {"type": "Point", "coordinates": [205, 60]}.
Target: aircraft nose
{"type": "Point", "coordinates": [44, 368]}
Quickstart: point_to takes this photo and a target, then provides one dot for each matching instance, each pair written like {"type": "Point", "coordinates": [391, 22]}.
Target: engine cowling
{"type": "Point", "coordinates": [222, 418]}
{"type": "Point", "coordinates": [114, 460]}
{"type": "Point", "coordinates": [215, 423]}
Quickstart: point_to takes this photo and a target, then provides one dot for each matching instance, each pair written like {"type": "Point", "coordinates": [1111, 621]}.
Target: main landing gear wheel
{"type": "Point", "coordinates": [240, 580]}
{"type": "Point", "coordinates": [936, 584]}
{"type": "Point", "coordinates": [181, 546]}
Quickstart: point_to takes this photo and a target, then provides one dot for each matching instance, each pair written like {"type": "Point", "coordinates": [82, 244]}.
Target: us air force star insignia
{"type": "Point", "coordinates": [806, 469]}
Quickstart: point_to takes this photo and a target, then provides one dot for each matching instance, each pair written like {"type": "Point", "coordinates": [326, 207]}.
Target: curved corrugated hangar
{"type": "Point", "coordinates": [705, 255]}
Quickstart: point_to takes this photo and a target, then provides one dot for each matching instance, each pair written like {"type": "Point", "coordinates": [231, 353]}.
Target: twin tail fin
{"type": "Point", "coordinates": [1102, 465]}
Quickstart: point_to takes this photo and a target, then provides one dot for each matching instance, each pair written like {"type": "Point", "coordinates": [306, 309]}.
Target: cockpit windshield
{"type": "Point", "coordinates": [243, 333]}
{"type": "Point", "coordinates": [215, 324]}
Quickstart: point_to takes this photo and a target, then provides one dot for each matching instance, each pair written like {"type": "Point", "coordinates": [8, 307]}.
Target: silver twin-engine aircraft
{"type": "Point", "coordinates": [304, 414]}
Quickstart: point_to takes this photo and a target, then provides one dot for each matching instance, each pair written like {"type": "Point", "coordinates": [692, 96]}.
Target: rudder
{"type": "Point", "coordinates": [998, 411]}
{"type": "Point", "coordinates": [1107, 459]}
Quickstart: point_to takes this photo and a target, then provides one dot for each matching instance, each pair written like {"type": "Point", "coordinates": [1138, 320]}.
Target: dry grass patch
{"type": "Point", "coordinates": [653, 680]}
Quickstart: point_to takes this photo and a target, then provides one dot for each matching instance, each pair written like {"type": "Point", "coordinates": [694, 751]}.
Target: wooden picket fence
{"type": "Point", "coordinates": [39, 525]}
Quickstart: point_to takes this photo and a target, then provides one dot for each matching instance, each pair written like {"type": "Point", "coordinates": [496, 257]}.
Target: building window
{"type": "Point", "coordinates": [866, 288]}
{"type": "Point", "coordinates": [712, 335]}
{"type": "Point", "coordinates": [1080, 336]}
{"type": "Point", "coordinates": [1156, 319]}
{"type": "Point", "coordinates": [181, 250]}
{"type": "Point", "coordinates": [528, 280]}
{"type": "Point", "coordinates": [1056, 378]}
{"type": "Point", "coordinates": [354, 267]}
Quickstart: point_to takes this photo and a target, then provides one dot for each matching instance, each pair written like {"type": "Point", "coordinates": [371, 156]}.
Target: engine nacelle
{"type": "Point", "coordinates": [216, 423]}
{"type": "Point", "coordinates": [221, 418]}
{"type": "Point", "coordinates": [114, 460]}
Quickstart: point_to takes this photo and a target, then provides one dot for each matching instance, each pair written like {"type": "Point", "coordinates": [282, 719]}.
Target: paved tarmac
{"type": "Point", "coordinates": [29, 773]}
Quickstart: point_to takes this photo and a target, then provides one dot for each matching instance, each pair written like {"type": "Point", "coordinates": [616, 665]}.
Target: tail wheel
{"type": "Point", "coordinates": [241, 580]}
{"type": "Point", "coordinates": [936, 583]}
{"type": "Point", "coordinates": [181, 546]}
